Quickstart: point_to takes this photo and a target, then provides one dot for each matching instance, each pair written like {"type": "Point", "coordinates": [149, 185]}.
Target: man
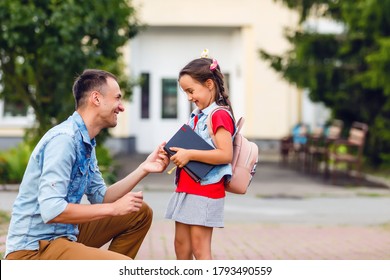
{"type": "Point", "coordinates": [48, 221]}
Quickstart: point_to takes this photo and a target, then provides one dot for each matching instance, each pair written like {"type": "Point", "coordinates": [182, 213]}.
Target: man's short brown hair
{"type": "Point", "coordinates": [89, 80]}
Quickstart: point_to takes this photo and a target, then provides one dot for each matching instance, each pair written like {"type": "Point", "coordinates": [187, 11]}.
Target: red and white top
{"type": "Point", "coordinates": [186, 184]}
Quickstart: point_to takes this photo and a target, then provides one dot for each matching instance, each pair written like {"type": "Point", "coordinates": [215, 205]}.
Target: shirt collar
{"type": "Point", "coordinates": [206, 111]}
{"type": "Point", "coordinates": [83, 129]}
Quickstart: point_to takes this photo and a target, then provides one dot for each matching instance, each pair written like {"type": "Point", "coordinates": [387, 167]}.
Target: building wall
{"type": "Point", "coordinates": [177, 32]}
{"type": "Point", "coordinates": [162, 52]}
{"type": "Point", "coordinates": [233, 31]}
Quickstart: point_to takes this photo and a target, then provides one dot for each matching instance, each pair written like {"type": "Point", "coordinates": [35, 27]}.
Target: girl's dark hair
{"type": "Point", "coordinates": [90, 79]}
{"type": "Point", "coordinates": [199, 70]}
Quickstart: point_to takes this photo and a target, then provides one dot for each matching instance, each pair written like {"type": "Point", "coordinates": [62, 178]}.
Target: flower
{"type": "Point", "coordinates": [205, 53]}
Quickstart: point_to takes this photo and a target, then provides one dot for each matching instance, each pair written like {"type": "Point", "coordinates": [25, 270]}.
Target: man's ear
{"type": "Point", "coordinates": [95, 98]}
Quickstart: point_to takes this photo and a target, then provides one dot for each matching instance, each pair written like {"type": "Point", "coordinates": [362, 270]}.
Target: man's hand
{"type": "Point", "coordinates": [130, 202]}
{"type": "Point", "coordinates": [81, 213]}
{"type": "Point", "coordinates": [157, 161]}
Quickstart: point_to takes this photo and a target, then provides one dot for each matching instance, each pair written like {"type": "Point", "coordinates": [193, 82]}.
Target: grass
{"type": "Point", "coordinates": [368, 194]}
{"type": "Point", "coordinates": [4, 217]}
{"type": "Point", "coordinates": [382, 172]}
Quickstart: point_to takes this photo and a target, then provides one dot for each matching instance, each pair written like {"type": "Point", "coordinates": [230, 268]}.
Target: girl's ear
{"type": "Point", "coordinates": [210, 84]}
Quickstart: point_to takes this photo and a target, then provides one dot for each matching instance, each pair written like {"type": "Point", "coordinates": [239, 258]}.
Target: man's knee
{"type": "Point", "coordinates": [143, 216]}
{"type": "Point", "coordinates": [147, 212]}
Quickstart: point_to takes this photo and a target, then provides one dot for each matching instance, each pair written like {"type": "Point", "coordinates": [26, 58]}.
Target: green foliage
{"type": "Point", "coordinates": [44, 44]}
{"type": "Point", "coordinates": [13, 163]}
{"type": "Point", "coordinates": [106, 164]}
{"type": "Point", "coordinates": [3, 170]}
{"type": "Point", "coordinates": [348, 72]}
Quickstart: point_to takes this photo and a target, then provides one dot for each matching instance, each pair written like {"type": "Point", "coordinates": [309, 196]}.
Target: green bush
{"type": "Point", "coordinates": [3, 170]}
{"type": "Point", "coordinates": [385, 161]}
{"type": "Point", "coordinates": [13, 163]}
{"type": "Point", "coordinates": [106, 164]}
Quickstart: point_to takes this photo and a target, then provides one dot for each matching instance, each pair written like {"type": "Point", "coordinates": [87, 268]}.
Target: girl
{"type": "Point", "coordinates": [195, 207]}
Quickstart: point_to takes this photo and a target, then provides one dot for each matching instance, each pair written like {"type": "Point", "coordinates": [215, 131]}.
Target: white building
{"type": "Point", "coordinates": [177, 32]}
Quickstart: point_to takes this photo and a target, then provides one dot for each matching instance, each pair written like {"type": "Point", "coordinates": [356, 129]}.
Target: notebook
{"type": "Point", "coordinates": [186, 138]}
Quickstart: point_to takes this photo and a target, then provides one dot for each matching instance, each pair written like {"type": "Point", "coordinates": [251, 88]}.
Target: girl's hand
{"type": "Point", "coordinates": [182, 156]}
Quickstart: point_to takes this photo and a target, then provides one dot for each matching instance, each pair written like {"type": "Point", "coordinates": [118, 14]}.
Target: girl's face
{"type": "Point", "coordinates": [202, 95]}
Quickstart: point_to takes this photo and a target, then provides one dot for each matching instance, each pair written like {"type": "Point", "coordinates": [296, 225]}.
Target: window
{"type": "Point", "coordinates": [15, 114]}
{"type": "Point", "coordinates": [14, 108]}
{"type": "Point", "coordinates": [145, 95]}
{"type": "Point", "coordinates": [169, 99]}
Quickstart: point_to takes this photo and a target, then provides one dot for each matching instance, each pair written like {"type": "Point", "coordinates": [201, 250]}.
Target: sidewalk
{"type": "Point", "coordinates": [279, 242]}
{"type": "Point", "coordinates": [272, 180]}
{"type": "Point", "coordinates": [263, 224]}
{"type": "Point", "coordinates": [276, 241]}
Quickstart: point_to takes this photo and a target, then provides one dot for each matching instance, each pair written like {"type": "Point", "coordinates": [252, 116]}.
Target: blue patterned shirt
{"type": "Point", "coordinates": [62, 168]}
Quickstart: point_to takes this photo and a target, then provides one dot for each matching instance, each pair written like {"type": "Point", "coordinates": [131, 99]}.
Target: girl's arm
{"type": "Point", "coordinates": [223, 153]}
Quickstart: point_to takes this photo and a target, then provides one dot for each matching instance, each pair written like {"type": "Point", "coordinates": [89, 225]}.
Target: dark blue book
{"type": "Point", "coordinates": [186, 138]}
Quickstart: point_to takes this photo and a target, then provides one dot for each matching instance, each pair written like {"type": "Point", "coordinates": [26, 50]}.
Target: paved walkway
{"type": "Point", "coordinates": [285, 215]}
{"type": "Point", "coordinates": [279, 242]}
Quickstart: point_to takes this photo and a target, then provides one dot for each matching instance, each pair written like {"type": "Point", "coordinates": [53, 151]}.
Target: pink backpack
{"type": "Point", "coordinates": [245, 157]}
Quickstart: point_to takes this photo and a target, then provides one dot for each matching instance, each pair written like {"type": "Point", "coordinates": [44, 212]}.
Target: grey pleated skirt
{"type": "Point", "coordinates": [196, 210]}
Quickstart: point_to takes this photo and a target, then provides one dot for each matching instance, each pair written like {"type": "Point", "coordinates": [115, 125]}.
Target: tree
{"type": "Point", "coordinates": [348, 71]}
{"type": "Point", "coordinates": [44, 44]}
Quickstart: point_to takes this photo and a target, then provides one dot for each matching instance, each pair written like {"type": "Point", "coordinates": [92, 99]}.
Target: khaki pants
{"type": "Point", "coordinates": [126, 232]}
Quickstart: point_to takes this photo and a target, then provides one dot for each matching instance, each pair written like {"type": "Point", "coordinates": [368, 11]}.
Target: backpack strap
{"type": "Point", "coordinates": [237, 127]}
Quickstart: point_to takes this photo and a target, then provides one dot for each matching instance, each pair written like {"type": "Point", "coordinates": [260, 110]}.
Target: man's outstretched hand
{"type": "Point", "coordinates": [157, 161]}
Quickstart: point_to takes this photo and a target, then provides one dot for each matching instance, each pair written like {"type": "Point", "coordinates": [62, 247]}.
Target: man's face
{"type": "Point", "coordinates": [111, 103]}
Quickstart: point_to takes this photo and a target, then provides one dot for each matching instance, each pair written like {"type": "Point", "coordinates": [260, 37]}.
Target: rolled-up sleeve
{"type": "Point", "coordinates": [58, 158]}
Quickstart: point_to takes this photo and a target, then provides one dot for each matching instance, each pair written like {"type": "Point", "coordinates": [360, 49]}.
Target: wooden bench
{"type": "Point", "coordinates": [352, 154]}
